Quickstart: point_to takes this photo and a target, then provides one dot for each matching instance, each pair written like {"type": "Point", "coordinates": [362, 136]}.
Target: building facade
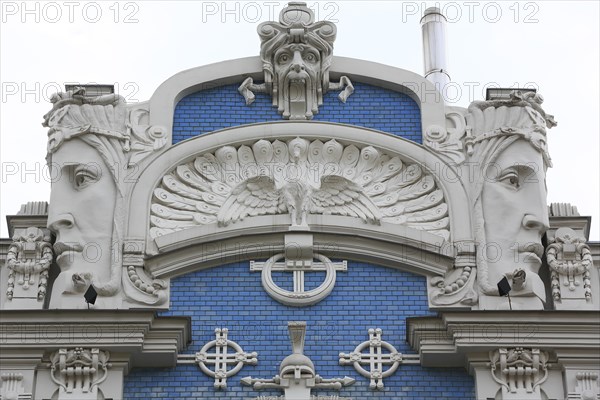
{"type": "Point", "coordinates": [299, 226]}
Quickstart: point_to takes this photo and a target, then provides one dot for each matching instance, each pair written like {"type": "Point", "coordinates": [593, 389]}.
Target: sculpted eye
{"type": "Point", "coordinates": [284, 58]}
{"type": "Point", "coordinates": [84, 176]}
{"type": "Point", "coordinates": [310, 57]}
{"type": "Point", "coordinates": [511, 179]}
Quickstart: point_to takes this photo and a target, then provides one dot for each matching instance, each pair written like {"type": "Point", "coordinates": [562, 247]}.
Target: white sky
{"type": "Point", "coordinates": [139, 44]}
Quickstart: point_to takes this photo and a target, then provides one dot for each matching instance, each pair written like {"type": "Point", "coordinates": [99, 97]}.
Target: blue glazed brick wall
{"type": "Point", "coordinates": [369, 106]}
{"type": "Point", "coordinates": [366, 296]}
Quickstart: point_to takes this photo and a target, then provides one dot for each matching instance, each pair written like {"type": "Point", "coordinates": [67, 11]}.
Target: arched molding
{"type": "Point", "coordinates": [170, 92]}
{"type": "Point", "coordinates": [385, 244]}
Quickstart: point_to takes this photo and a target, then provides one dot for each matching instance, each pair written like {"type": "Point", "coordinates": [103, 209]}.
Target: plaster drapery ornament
{"type": "Point", "coordinates": [300, 177]}
{"type": "Point", "coordinates": [375, 359]}
{"type": "Point", "coordinates": [587, 387]}
{"type": "Point", "coordinates": [507, 161]}
{"type": "Point", "coordinates": [94, 144]}
{"type": "Point", "coordinates": [520, 372]}
{"type": "Point", "coordinates": [138, 285]}
{"type": "Point", "coordinates": [570, 260]}
{"type": "Point", "coordinates": [28, 259]}
{"type": "Point", "coordinates": [78, 372]}
{"type": "Point", "coordinates": [221, 359]}
{"type": "Point", "coordinates": [296, 53]}
{"type": "Point", "coordinates": [11, 387]}
{"type": "Point", "coordinates": [457, 287]}
{"type": "Point", "coordinates": [297, 376]}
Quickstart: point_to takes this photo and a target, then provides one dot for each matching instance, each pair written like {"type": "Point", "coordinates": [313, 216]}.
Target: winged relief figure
{"type": "Point", "coordinates": [299, 178]}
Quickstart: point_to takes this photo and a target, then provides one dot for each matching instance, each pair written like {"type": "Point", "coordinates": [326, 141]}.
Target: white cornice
{"type": "Point", "coordinates": [143, 335]}
{"type": "Point", "coordinates": [449, 339]}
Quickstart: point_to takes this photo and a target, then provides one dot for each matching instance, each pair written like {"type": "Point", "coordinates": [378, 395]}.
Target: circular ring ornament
{"type": "Point", "coordinates": [298, 298]}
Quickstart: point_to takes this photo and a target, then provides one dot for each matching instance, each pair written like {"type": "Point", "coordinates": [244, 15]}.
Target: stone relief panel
{"type": "Point", "coordinates": [78, 372]}
{"type": "Point", "coordinates": [296, 53]}
{"type": "Point", "coordinates": [520, 372]}
{"type": "Point", "coordinates": [570, 261]}
{"type": "Point", "coordinates": [28, 261]}
{"type": "Point", "coordinates": [95, 147]}
{"type": "Point", "coordinates": [298, 178]}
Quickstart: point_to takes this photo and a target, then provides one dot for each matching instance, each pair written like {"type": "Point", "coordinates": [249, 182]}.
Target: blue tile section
{"type": "Point", "coordinates": [370, 106]}
{"type": "Point", "coordinates": [366, 296]}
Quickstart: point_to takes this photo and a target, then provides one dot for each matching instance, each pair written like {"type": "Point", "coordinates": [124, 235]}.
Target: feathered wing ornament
{"type": "Point", "coordinates": [256, 196]}
{"type": "Point", "coordinates": [299, 177]}
{"type": "Point", "coordinates": [340, 196]}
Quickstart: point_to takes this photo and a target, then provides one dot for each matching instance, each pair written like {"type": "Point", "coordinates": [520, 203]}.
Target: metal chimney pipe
{"type": "Point", "coordinates": [433, 26]}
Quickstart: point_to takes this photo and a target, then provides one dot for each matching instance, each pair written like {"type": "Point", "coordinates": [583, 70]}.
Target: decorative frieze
{"type": "Point", "coordinates": [380, 353]}
{"type": "Point", "coordinates": [78, 372]}
{"type": "Point", "coordinates": [220, 360]}
{"type": "Point", "coordinates": [28, 260]}
{"type": "Point", "coordinates": [297, 53]}
{"type": "Point", "coordinates": [520, 372]}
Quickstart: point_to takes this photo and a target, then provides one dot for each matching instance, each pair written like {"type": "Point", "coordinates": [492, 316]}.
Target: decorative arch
{"type": "Point", "coordinates": [169, 93]}
{"type": "Point", "coordinates": [261, 236]}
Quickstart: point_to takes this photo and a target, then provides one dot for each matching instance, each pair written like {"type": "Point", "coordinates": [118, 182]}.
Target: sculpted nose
{"type": "Point", "coordinates": [534, 222]}
{"type": "Point", "coordinates": [60, 221]}
{"type": "Point", "coordinates": [297, 64]}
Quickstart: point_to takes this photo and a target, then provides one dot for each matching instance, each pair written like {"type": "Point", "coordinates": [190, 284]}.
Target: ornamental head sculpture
{"type": "Point", "coordinates": [296, 55]}
{"type": "Point", "coordinates": [87, 142]}
{"type": "Point", "coordinates": [509, 158]}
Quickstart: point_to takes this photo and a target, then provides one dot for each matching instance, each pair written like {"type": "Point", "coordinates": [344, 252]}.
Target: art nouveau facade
{"type": "Point", "coordinates": [333, 203]}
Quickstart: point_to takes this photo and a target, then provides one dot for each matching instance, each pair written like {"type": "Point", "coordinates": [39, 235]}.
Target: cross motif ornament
{"type": "Point", "coordinates": [221, 359]}
{"type": "Point", "coordinates": [375, 359]}
{"type": "Point", "coordinates": [299, 297]}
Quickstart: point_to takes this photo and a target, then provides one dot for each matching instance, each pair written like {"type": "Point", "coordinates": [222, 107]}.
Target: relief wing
{"type": "Point", "coordinates": [340, 196]}
{"type": "Point", "coordinates": [185, 198]}
{"type": "Point", "coordinates": [412, 198]}
{"type": "Point", "coordinates": [255, 196]}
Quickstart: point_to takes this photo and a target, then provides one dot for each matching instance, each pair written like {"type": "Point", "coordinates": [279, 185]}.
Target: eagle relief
{"type": "Point", "coordinates": [299, 178]}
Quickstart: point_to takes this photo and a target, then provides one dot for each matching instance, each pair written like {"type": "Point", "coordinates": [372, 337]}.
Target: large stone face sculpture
{"type": "Point", "coordinates": [296, 53]}
{"type": "Point", "coordinates": [508, 158]}
{"type": "Point", "coordinates": [92, 141]}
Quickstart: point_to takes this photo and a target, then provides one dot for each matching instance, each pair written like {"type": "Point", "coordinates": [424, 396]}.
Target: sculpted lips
{"type": "Point", "coordinates": [61, 247]}
{"type": "Point", "coordinates": [532, 252]}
